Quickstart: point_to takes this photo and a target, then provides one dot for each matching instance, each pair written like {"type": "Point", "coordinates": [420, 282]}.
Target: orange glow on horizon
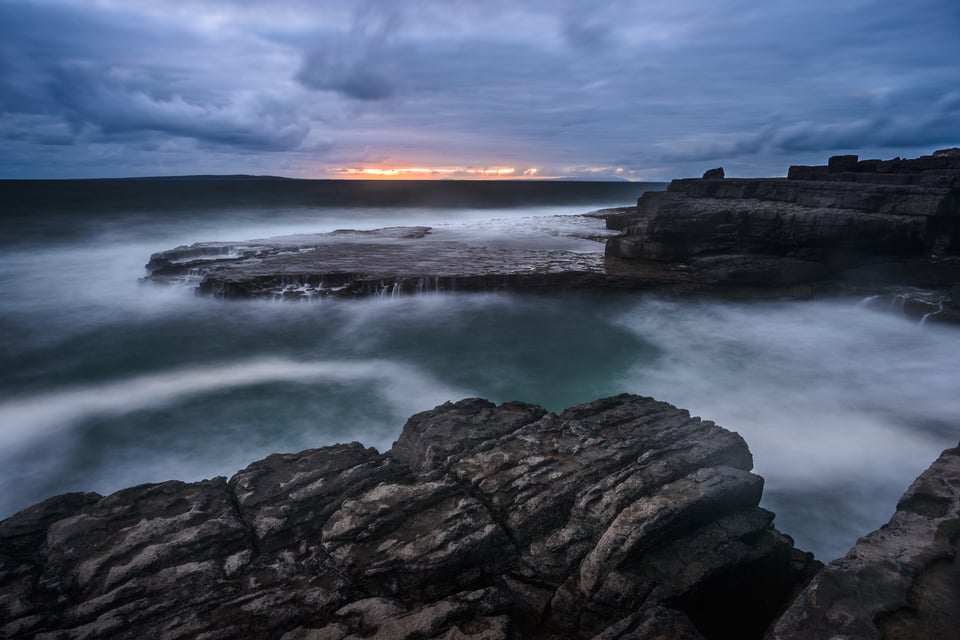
{"type": "Point", "coordinates": [426, 173]}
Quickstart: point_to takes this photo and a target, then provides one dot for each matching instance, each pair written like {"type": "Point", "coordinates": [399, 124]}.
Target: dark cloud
{"type": "Point", "coordinates": [895, 122]}
{"type": "Point", "coordinates": [359, 63]}
{"type": "Point", "coordinates": [653, 87]}
{"type": "Point", "coordinates": [66, 64]}
{"type": "Point", "coordinates": [357, 72]}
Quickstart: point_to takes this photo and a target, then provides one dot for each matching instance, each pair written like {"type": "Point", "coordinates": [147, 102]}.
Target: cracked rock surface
{"type": "Point", "coordinates": [621, 518]}
{"type": "Point", "coordinates": [901, 581]}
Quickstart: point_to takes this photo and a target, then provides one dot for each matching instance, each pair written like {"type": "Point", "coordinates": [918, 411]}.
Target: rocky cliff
{"type": "Point", "coordinates": [622, 518]}
{"type": "Point", "coordinates": [854, 224]}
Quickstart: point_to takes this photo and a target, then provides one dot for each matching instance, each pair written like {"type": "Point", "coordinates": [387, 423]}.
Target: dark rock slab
{"type": "Point", "coordinates": [901, 581]}
{"type": "Point", "coordinates": [380, 262]}
{"type": "Point", "coordinates": [621, 518]}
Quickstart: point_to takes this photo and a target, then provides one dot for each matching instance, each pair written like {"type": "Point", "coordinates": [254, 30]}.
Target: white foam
{"type": "Point", "coordinates": [833, 399]}
{"type": "Point", "coordinates": [27, 419]}
{"type": "Point", "coordinates": [820, 391]}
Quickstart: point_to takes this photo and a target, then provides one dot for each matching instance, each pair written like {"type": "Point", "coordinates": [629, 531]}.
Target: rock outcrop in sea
{"type": "Point", "coordinates": [621, 518]}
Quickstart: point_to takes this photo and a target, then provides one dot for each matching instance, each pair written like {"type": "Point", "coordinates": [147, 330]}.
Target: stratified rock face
{"type": "Point", "coordinates": [901, 581]}
{"type": "Point", "coordinates": [867, 222]}
{"type": "Point", "coordinates": [622, 518]}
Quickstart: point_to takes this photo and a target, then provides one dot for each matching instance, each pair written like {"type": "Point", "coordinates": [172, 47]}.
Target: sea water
{"type": "Point", "coordinates": [107, 382]}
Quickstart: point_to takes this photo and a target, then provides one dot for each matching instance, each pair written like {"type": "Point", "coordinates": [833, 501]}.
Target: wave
{"type": "Point", "coordinates": [28, 419]}
{"type": "Point", "coordinates": [841, 406]}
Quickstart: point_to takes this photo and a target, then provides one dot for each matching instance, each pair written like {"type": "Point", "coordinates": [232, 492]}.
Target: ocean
{"type": "Point", "coordinates": [107, 382]}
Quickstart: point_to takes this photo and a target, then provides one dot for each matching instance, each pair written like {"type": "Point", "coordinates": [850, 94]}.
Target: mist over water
{"type": "Point", "coordinates": [842, 407]}
{"type": "Point", "coordinates": [106, 382]}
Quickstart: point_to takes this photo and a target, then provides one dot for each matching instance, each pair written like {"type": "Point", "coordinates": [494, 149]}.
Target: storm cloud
{"type": "Point", "coordinates": [647, 90]}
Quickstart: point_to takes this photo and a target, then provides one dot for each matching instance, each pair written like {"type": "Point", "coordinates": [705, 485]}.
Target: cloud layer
{"type": "Point", "coordinates": [655, 89]}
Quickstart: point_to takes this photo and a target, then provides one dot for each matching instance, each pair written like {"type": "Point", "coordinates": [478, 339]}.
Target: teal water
{"type": "Point", "coordinates": [106, 382]}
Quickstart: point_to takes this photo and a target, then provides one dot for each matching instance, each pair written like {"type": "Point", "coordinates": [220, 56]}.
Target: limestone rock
{"type": "Point", "coordinates": [621, 518]}
{"type": "Point", "coordinates": [863, 223]}
{"type": "Point", "coordinates": [901, 581]}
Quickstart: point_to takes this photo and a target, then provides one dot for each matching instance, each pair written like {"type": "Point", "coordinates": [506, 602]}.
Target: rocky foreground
{"type": "Point", "coordinates": [621, 518]}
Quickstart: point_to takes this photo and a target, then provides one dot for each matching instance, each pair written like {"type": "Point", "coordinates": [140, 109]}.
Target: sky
{"type": "Point", "coordinates": [632, 89]}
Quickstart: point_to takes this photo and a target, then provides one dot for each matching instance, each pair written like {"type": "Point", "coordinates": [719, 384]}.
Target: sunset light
{"type": "Point", "coordinates": [427, 173]}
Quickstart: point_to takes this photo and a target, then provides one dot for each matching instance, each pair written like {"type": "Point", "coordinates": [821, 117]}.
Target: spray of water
{"type": "Point", "coordinates": [40, 416]}
{"type": "Point", "coordinates": [841, 406]}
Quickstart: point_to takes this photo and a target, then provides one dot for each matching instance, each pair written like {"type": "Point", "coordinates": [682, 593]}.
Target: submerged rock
{"type": "Point", "coordinates": [621, 518]}
{"type": "Point", "coordinates": [901, 581]}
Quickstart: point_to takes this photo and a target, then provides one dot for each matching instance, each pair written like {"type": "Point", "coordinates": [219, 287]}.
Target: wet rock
{"type": "Point", "coordinates": [388, 262]}
{"type": "Point", "coordinates": [923, 306]}
{"type": "Point", "coordinates": [620, 518]}
{"type": "Point", "coordinates": [901, 581]}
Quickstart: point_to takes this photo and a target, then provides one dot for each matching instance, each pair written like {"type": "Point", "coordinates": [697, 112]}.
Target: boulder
{"type": "Point", "coordinates": [624, 517]}
{"type": "Point", "coordinates": [837, 164]}
{"type": "Point", "coordinates": [713, 174]}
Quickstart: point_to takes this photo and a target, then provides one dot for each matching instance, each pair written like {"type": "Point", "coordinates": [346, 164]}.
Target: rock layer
{"type": "Point", "coordinates": [861, 225]}
{"type": "Point", "coordinates": [622, 518]}
{"type": "Point", "coordinates": [385, 262]}
{"type": "Point", "coordinates": [901, 581]}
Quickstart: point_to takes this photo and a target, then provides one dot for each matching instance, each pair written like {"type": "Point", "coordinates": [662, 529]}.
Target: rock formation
{"type": "Point", "coordinates": [901, 581]}
{"type": "Point", "coordinates": [621, 518]}
{"type": "Point", "coordinates": [389, 261]}
{"type": "Point", "coordinates": [864, 225]}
